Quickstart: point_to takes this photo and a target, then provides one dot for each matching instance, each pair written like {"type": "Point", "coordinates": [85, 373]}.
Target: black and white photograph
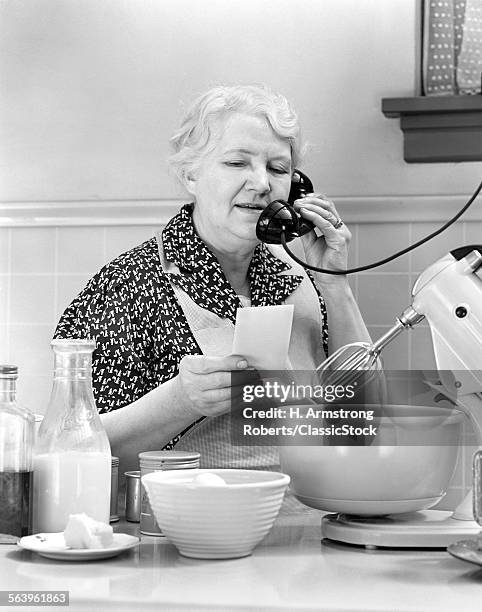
{"type": "Point", "coordinates": [241, 305]}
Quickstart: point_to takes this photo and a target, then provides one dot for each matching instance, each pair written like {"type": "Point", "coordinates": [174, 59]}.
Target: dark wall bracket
{"type": "Point", "coordinates": [438, 129]}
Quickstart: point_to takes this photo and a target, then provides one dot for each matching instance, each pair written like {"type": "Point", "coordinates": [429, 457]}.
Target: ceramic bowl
{"type": "Point", "coordinates": [407, 467]}
{"type": "Point", "coordinates": [208, 521]}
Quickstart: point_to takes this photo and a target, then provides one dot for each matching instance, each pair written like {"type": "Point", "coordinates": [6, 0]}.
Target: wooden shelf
{"type": "Point", "coordinates": [438, 129]}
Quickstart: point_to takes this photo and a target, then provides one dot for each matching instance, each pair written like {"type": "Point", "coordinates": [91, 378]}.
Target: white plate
{"type": "Point", "coordinates": [52, 546]}
{"type": "Point", "coordinates": [467, 551]}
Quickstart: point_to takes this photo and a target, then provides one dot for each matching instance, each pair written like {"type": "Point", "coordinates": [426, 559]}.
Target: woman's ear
{"type": "Point", "coordinates": [190, 182]}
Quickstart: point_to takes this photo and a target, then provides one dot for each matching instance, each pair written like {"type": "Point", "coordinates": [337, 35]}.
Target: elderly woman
{"type": "Point", "coordinates": [163, 313]}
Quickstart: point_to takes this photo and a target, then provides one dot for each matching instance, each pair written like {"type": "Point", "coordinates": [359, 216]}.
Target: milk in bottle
{"type": "Point", "coordinates": [72, 460]}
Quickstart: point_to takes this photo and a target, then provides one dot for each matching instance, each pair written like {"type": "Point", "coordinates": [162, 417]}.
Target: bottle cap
{"type": "Point", "coordinates": [69, 344]}
{"type": "Point", "coordinates": [8, 371]}
{"type": "Point", "coordinates": [168, 460]}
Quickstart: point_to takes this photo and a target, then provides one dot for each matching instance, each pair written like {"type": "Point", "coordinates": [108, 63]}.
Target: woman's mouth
{"type": "Point", "coordinates": [250, 207]}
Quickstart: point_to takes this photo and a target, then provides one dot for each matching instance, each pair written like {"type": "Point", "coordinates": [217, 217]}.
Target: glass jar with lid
{"type": "Point", "coordinates": [154, 461]}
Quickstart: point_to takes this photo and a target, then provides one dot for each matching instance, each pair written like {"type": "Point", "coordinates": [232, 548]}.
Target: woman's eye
{"type": "Point", "coordinates": [235, 163]}
{"type": "Point", "coordinates": [279, 170]}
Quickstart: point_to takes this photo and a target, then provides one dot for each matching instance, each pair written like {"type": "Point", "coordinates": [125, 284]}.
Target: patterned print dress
{"type": "Point", "coordinates": [129, 308]}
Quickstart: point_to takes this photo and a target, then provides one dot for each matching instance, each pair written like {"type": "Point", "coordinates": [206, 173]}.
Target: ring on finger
{"type": "Point", "coordinates": [338, 223]}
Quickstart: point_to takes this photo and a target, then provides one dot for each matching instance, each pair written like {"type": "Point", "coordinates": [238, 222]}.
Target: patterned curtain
{"type": "Point", "coordinates": [452, 47]}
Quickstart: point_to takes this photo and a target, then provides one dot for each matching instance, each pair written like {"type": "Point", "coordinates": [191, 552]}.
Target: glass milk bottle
{"type": "Point", "coordinates": [72, 459]}
{"type": "Point", "coordinates": [16, 441]}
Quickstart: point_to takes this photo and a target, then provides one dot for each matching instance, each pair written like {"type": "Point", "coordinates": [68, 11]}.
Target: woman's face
{"type": "Point", "coordinates": [249, 167]}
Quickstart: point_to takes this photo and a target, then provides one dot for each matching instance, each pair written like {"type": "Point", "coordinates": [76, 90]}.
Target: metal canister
{"type": "Point", "coordinates": [114, 488]}
{"type": "Point", "coordinates": [155, 461]}
{"type": "Point", "coordinates": [133, 496]}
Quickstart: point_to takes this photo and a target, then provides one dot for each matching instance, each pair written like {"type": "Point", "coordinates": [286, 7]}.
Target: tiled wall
{"type": "Point", "coordinates": [43, 268]}
{"type": "Point", "coordinates": [41, 271]}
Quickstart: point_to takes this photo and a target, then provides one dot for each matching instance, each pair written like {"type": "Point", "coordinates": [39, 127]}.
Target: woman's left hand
{"type": "Point", "coordinates": [330, 249]}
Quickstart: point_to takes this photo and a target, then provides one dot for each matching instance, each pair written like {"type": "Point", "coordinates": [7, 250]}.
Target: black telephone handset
{"type": "Point", "coordinates": [280, 220]}
{"type": "Point", "coordinates": [280, 216]}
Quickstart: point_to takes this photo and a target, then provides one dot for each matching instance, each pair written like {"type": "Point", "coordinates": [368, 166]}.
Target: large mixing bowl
{"type": "Point", "coordinates": [406, 467]}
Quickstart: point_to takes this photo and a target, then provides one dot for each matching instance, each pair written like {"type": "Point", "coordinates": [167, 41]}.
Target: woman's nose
{"type": "Point", "coordinates": [258, 180]}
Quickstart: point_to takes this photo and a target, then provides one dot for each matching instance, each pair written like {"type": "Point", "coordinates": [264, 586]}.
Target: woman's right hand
{"type": "Point", "coordinates": [206, 382]}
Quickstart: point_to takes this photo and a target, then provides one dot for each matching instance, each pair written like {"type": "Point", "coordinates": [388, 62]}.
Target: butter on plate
{"type": "Point", "coordinates": [85, 532]}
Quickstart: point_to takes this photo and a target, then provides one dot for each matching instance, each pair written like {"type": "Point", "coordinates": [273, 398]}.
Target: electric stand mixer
{"type": "Point", "coordinates": [448, 294]}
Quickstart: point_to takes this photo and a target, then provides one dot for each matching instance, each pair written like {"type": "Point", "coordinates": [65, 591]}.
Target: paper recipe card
{"type": "Point", "coordinates": [262, 335]}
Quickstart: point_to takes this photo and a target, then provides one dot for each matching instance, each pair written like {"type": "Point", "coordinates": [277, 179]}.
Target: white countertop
{"type": "Point", "coordinates": [291, 570]}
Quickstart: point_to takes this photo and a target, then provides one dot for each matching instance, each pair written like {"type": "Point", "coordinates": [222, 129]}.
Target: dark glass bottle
{"type": "Point", "coordinates": [17, 431]}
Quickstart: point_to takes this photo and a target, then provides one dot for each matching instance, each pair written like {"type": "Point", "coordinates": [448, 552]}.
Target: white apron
{"type": "Point", "coordinates": [211, 437]}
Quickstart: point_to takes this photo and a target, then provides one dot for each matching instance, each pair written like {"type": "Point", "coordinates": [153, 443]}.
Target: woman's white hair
{"type": "Point", "coordinates": [194, 139]}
